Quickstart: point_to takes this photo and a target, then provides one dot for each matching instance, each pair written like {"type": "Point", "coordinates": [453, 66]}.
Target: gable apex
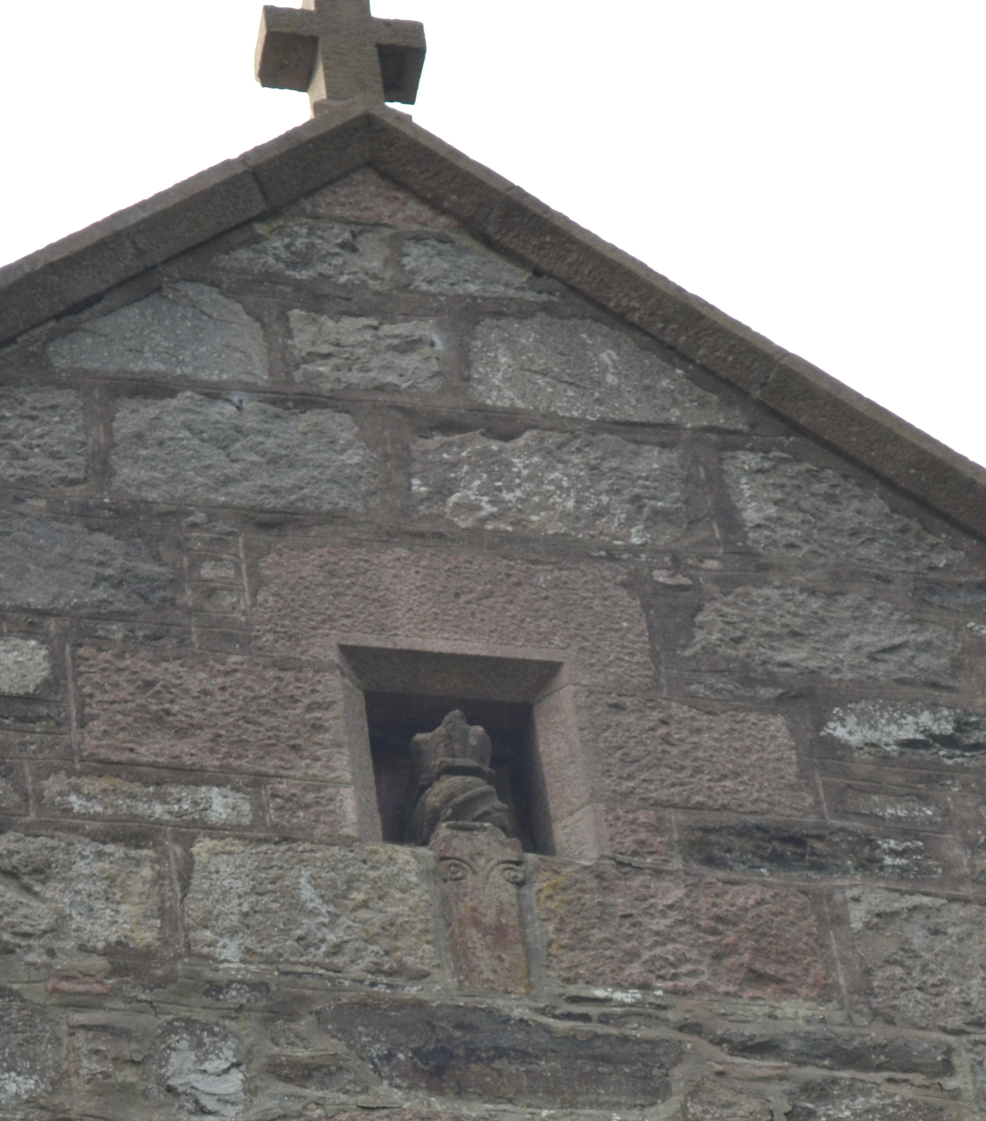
{"type": "Point", "coordinates": [75, 271]}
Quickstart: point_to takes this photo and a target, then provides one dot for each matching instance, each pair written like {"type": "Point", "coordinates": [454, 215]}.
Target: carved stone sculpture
{"type": "Point", "coordinates": [451, 779]}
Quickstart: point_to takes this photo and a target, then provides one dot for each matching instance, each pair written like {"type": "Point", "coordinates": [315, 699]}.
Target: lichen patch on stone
{"type": "Point", "coordinates": [24, 666]}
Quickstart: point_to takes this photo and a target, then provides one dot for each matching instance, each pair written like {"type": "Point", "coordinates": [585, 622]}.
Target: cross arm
{"type": "Point", "coordinates": [286, 48]}
{"type": "Point", "coordinates": [401, 49]}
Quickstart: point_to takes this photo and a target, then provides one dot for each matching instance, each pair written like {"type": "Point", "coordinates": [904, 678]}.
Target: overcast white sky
{"type": "Point", "coordinates": [813, 168]}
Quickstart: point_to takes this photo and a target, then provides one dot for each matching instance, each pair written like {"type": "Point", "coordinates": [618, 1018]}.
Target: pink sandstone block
{"type": "Point", "coordinates": [366, 196]}
{"type": "Point", "coordinates": [623, 927]}
{"type": "Point", "coordinates": [239, 714]}
{"type": "Point", "coordinates": [660, 753]}
{"type": "Point", "coordinates": [314, 811]}
{"type": "Point", "coordinates": [312, 596]}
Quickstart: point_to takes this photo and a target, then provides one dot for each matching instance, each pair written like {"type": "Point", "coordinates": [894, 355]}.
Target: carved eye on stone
{"type": "Point", "coordinates": [513, 873]}
{"type": "Point", "coordinates": [452, 869]}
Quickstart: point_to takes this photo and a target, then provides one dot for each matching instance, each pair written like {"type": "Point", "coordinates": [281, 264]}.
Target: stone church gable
{"type": "Point", "coordinates": [305, 455]}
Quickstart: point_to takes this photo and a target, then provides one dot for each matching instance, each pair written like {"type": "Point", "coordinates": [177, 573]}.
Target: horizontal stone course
{"type": "Point", "coordinates": [192, 449]}
{"type": "Point", "coordinates": [546, 482]}
{"type": "Point", "coordinates": [43, 440]}
{"type": "Point", "coordinates": [581, 368]}
{"type": "Point", "coordinates": [634, 928]}
{"type": "Point", "coordinates": [186, 330]}
{"type": "Point", "coordinates": [909, 730]}
{"type": "Point", "coordinates": [360, 911]}
{"type": "Point", "coordinates": [794, 509]}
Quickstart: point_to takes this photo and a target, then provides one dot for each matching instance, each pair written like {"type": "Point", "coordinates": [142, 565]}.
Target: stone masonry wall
{"type": "Point", "coordinates": [353, 424]}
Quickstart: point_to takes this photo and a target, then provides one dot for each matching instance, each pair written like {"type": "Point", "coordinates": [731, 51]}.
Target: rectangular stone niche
{"type": "Point", "coordinates": [525, 703]}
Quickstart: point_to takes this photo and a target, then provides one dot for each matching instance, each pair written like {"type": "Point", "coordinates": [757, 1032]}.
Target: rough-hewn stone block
{"type": "Point", "coordinates": [42, 437]}
{"type": "Point", "coordinates": [360, 911]}
{"type": "Point", "coordinates": [577, 367]}
{"type": "Point", "coordinates": [354, 352]}
{"type": "Point", "coordinates": [106, 796]}
{"type": "Point", "coordinates": [786, 630]}
{"type": "Point", "coordinates": [365, 196]}
{"type": "Point", "coordinates": [659, 753]}
{"type": "Point", "coordinates": [186, 330]}
{"type": "Point", "coordinates": [460, 266]}
{"type": "Point", "coordinates": [794, 509]}
{"type": "Point", "coordinates": [51, 564]}
{"type": "Point", "coordinates": [625, 927]}
{"type": "Point", "coordinates": [63, 894]}
{"type": "Point", "coordinates": [314, 810]}
{"type": "Point", "coordinates": [24, 665]}
{"type": "Point", "coordinates": [549, 482]}
{"type": "Point", "coordinates": [31, 1052]}
{"type": "Point", "coordinates": [455, 1051]}
{"type": "Point", "coordinates": [311, 595]}
{"type": "Point", "coordinates": [305, 249]}
{"type": "Point", "coordinates": [836, 1100]}
{"type": "Point", "coordinates": [193, 449]}
{"type": "Point", "coordinates": [897, 727]}
{"type": "Point", "coordinates": [710, 1101]}
{"type": "Point", "coordinates": [239, 714]}
{"type": "Point", "coordinates": [199, 1063]}
{"type": "Point", "coordinates": [925, 958]}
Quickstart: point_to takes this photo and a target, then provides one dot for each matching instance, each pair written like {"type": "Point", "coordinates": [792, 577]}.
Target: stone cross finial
{"type": "Point", "coordinates": [337, 51]}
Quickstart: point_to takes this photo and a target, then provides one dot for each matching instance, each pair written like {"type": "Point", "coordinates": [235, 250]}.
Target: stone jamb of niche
{"type": "Point", "coordinates": [544, 679]}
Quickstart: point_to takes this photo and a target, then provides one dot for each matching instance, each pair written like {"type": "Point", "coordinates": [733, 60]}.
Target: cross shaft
{"type": "Point", "coordinates": [336, 50]}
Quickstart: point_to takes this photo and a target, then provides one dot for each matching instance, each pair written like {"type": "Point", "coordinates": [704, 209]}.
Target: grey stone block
{"type": "Point", "coordinates": [577, 367]}
{"type": "Point", "coordinates": [166, 802]}
{"type": "Point", "coordinates": [354, 352]}
{"type": "Point", "coordinates": [42, 437]}
{"type": "Point", "coordinates": [186, 329]}
{"type": "Point", "coordinates": [190, 449]}
{"type": "Point", "coordinates": [548, 482]}
{"type": "Point", "coordinates": [843, 1099]}
{"type": "Point", "coordinates": [74, 897]}
{"type": "Point", "coordinates": [359, 911]}
{"type": "Point", "coordinates": [50, 564]}
{"type": "Point", "coordinates": [305, 249]}
{"type": "Point", "coordinates": [896, 727]}
{"type": "Point", "coordinates": [24, 665]}
{"type": "Point", "coordinates": [795, 509]}
{"type": "Point", "coordinates": [459, 266]}
{"type": "Point", "coordinates": [967, 597]}
{"type": "Point", "coordinates": [31, 1052]}
{"type": "Point", "coordinates": [842, 636]}
{"type": "Point", "coordinates": [199, 1063]}
{"type": "Point", "coordinates": [925, 958]}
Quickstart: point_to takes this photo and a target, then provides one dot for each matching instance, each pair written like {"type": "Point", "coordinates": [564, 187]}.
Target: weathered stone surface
{"type": "Point", "coordinates": [186, 330]}
{"type": "Point", "coordinates": [321, 1073]}
{"type": "Point", "coordinates": [551, 482]}
{"type": "Point", "coordinates": [193, 449]}
{"type": "Point", "coordinates": [613, 925]}
{"type": "Point", "coordinates": [456, 1051]}
{"type": "Point", "coordinates": [51, 564]}
{"type": "Point", "coordinates": [758, 847]}
{"type": "Point", "coordinates": [308, 249]}
{"type": "Point", "coordinates": [636, 832]}
{"type": "Point", "coordinates": [710, 1101]}
{"type": "Point", "coordinates": [315, 811]}
{"type": "Point", "coordinates": [842, 1050]}
{"type": "Point", "coordinates": [239, 714]}
{"type": "Point", "coordinates": [954, 735]}
{"type": "Point", "coordinates": [366, 196]}
{"type": "Point", "coordinates": [310, 595]}
{"type": "Point", "coordinates": [359, 911]}
{"type": "Point", "coordinates": [786, 630]}
{"type": "Point", "coordinates": [105, 1052]}
{"type": "Point", "coordinates": [795, 509]}
{"type": "Point", "coordinates": [24, 665]}
{"type": "Point", "coordinates": [860, 1101]}
{"type": "Point", "coordinates": [31, 1053]}
{"type": "Point", "coordinates": [661, 753]}
{"type": "Point", "coordinates": [459, 266]}
{"type": "Point", "coordinates": [106, 796]}
{"type": "Point", "coordinates": [42, 437]}
{"type": "Point", "coordinates": [61, 894]}
{"type": "Point", "coordinates": [354, 352]}
{"type": "Point", "coordinates": [925, 958]}
{"type": "Point", "coordinates": [577, 367]}
{"type": "Point", "coordinates": [969, 596]}
{"type": "Point", "coordinates": [200, 1064]}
